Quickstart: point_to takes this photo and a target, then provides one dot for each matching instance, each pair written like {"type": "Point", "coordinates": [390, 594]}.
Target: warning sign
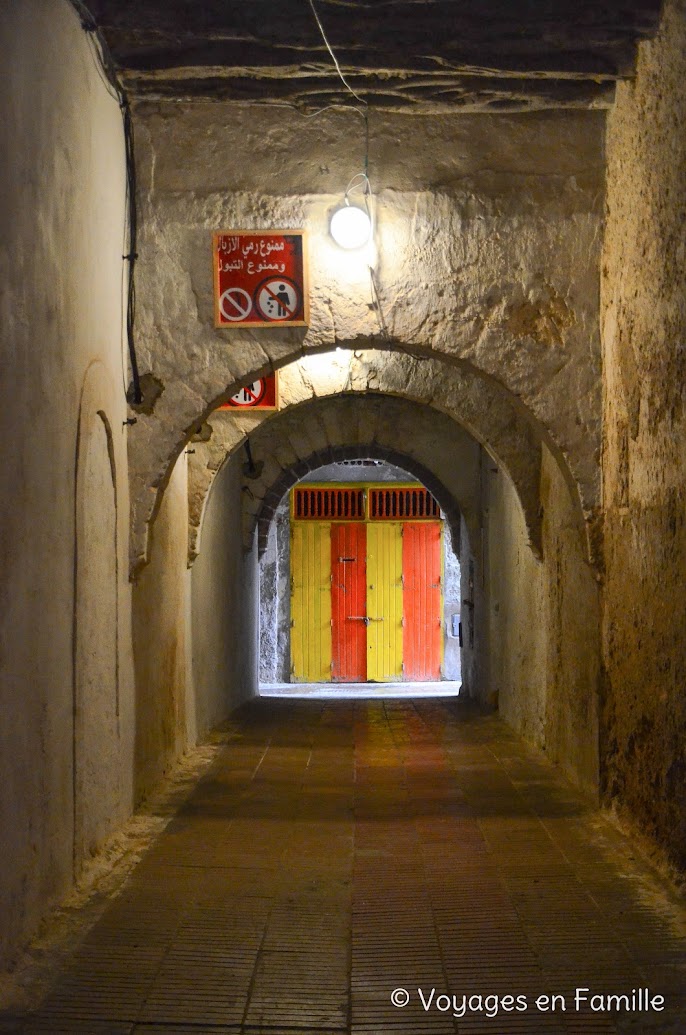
{"type": "Point", "coordinates": [259, 278]}
{"type": "Point", "coordinates": [262, 394]}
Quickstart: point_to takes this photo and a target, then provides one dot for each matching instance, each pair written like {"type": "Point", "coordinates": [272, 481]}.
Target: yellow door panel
{"type": "Point", "coordinates": [310, 602]}
{"type": "Point", "coordinates": [384, 602]}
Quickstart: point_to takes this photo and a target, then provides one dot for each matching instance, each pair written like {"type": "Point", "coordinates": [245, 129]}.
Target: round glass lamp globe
{"type": "Point", "coordinates": [350, 226]}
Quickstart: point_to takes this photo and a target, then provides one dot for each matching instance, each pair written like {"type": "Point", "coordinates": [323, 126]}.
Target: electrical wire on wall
{"type": "Point", "coordinates": [108, 75]}
{"type": "Point", "coordinates": [361, 180]}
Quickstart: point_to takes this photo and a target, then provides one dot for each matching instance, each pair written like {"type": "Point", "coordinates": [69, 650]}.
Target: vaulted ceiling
{"type": "Point", "coordinates": [400, 55]}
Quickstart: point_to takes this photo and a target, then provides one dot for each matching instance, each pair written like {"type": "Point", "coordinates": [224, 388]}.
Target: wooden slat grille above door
{"type": "Point", "coordinates": [334, 504]}
{"type": "Point", "coordinates": [403, 504]}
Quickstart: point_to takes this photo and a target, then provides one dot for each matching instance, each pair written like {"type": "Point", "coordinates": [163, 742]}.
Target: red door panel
{"type": "Point", "coordinates": [348, 603]}
{"type": "Point", "coordinates": [422, 631]}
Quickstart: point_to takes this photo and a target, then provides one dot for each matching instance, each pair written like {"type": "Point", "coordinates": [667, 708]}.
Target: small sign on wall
{"type": "Point", "coordinates": [262, 394]}
{"type": "Point", "coordinates": [260, 278]}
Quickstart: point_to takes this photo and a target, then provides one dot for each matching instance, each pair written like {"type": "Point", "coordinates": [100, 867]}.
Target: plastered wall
{"type": "Point", "coordinates": [164, 718]}
{"type": "Point", "coordinates": [66, 697]}
{"type": "Point", "coordinates": [543, 623]}
{"type": "Point", "coordinates": [224, 594]}
{"type": "Point", "coordinates": [644, 474]}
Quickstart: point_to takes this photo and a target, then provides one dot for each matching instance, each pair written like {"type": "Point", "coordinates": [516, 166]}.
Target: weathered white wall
{"type": "Point", "coordinates": [62, 548]}
{"type": "Point", "coordinates": [452, 604]}
{"type": "Point", "coordinates": [160, 640]}
{"type": "Point", "coordinates": [543, 622]}
{"type": "Point", "coordinates": [572, 600]}
{"type": "Point", "coordinates": [644, 474]}
{"type": "Point", "coordinates": [224, 594]}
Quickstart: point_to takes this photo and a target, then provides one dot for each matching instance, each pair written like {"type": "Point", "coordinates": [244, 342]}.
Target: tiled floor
{"type": "Point", "coordinates": [339, 851]}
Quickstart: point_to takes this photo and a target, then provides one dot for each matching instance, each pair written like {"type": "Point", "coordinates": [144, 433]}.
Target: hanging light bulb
{"type": "Point", "coordinates": [350, 226]}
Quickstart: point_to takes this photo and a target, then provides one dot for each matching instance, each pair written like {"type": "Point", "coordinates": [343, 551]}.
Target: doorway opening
{"type": "Point", "coordinates": [360, 588]}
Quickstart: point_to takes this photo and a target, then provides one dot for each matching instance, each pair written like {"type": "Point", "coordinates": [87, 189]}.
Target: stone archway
{"type": "Point", "coordinates": [473, 407]}
{"type": "Point", "coordinates": [493, 416]}
{"type": "Point", "coordinates": [306, 436]}
{"type": "Point", "coordinates": [335, 454]}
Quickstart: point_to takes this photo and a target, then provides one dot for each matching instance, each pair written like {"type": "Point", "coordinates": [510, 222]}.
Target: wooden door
{"type": "Point", "coordinates": [422, 601]}
{"type": "Point", "coordinates": [310, 602]}
{"type": "Point", "coordinates": [348, 603]}
{"type": "Point", "coordinates": [384, 602]}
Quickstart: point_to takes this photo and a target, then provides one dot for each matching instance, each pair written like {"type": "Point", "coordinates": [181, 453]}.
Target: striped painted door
{"type": "Point", "coordinates": [384, 602]}
{"type": "Point", "coordinates": [348, 603]}
{"type": "Point", "coordinates": [422, 600]}
{"type": "Point", "coordinates": [310, 602]}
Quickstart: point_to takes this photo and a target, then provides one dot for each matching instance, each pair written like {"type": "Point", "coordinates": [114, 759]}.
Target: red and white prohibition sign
{"type": "Point", "coordinates": [260, 278]}
{"type": "Point", "coordinates": [276, 299]}
{"type": "Point", "coordinates": [251, 395]}
{"type": "Point", "coordinates": [235, 304]}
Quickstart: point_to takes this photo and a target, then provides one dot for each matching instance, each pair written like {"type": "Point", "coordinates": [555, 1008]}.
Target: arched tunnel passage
{"type": "Point", "coordinates": [538, 253]}
{"type": "Point", "coordinates": [535, 618]}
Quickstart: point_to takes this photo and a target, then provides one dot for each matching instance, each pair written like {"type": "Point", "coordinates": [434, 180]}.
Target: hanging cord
{"type": "Point", "coordinates": [364, 112]}
{"type": "Point", "coordinates": [361, 180]}
{"type": "Point", "coordinates": [333, 56]}
{"type": "Point", "coordinates": [108, 75]}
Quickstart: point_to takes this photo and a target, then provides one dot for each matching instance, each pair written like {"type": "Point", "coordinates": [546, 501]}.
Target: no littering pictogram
{"type": "Point", "coordinates": [276, 299]}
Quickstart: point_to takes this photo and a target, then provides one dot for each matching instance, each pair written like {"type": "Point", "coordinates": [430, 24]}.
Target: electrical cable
{"type": "Point", "coordinates": [107, 71]}
{"type": "Point", "coordinates": [333, 56]}
{"type": "Point", "coordinates": [363, 177]}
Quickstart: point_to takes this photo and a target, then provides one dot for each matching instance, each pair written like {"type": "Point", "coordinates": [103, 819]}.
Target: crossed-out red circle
{"type": "Point", "coordinates": [263, 286]}
{"type": "Point", "coordinates": [250, 395]}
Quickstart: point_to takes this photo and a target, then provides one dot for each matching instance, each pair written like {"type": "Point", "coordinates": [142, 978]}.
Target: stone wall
{"type": "Point", "coordinates": [487, 235]}
{"type": "Point", "coordinates": [377, 404]}
{"type": "Point", "coordinates": [275, 600]}
{"type": "Point", "coordinates": [644, 476]}
{"type": "Point", "coordinates": [66, 682]}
